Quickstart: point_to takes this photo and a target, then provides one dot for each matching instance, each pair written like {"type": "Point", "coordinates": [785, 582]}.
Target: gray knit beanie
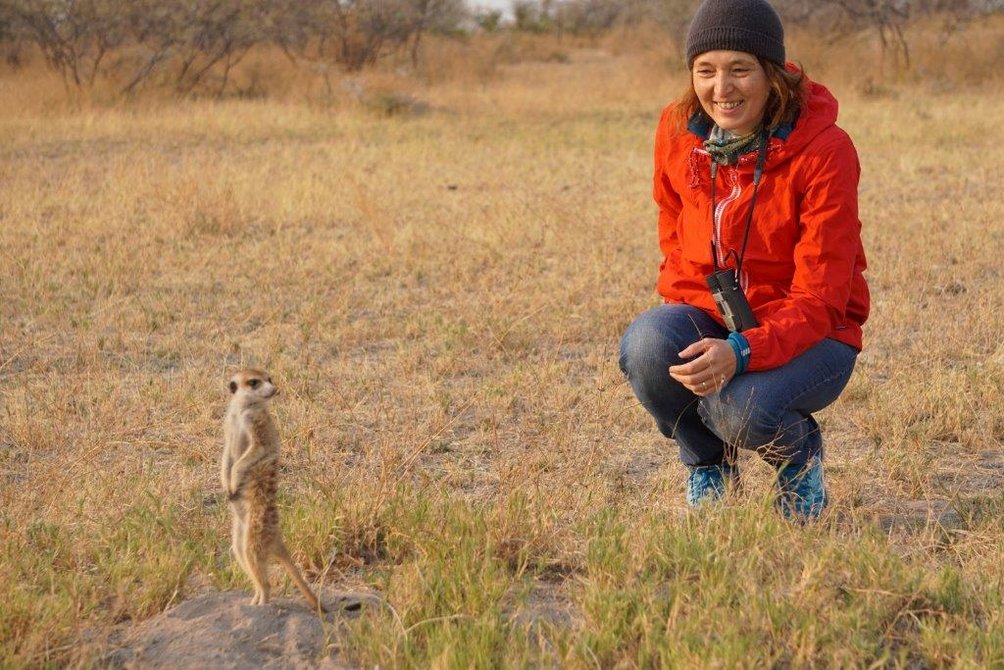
{"type": "Point", "coordinates": [736, 25]}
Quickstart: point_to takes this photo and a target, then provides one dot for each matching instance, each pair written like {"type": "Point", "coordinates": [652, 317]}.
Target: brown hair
{"type": "Point", "coordinates": [787, 95]}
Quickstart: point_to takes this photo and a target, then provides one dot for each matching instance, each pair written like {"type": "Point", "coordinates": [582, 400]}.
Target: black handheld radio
{"type": "Point", "coordinates": [731, 301]}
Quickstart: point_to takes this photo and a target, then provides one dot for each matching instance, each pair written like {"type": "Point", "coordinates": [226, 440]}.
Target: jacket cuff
{"type": "Point", "coordinates": [741, 348]}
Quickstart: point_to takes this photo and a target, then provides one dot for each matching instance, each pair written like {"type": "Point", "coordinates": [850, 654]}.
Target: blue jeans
{"type": "Point", "coordinates": [768, 411]}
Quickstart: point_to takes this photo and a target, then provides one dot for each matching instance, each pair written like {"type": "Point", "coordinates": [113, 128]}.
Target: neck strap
{"type": "Point", "coordinates": [761, 160]}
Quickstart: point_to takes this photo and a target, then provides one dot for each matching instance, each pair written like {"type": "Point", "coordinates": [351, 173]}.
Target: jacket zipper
{"type": "Point", "coordinates": [733, 178]}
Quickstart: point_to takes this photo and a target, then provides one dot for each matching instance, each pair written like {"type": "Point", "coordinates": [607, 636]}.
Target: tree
{"type": "Point", "coordinates": [433, 15]}
{"type": "Point", "coordinates": [589, 17]}
{"type": "Point", "coordinates": [74, 36]}
{"type": "Point", "coordinates": [9, 40]}
{"type": "Point", "coordinates": [533, 16]}
{"type": "Point", "coordinates": [489, 21]}
{"type": "Point", "coordinates": [357, 33]}
{"type": "Point", "coordinates": [217, 33]}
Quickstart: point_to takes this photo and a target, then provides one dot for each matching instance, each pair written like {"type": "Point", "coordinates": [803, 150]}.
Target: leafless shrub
{"type": "Point", "coordinates": [886, 17]}
{"type": "Point", "coordinates": [155, 28]}
{"type": "Point", "coordinates": [533, 16]}
{"type": "Point", "coordinates": [357, 33]}
{"type": "Point", "coordinates": [6, 21]}
{"type": "Point", "coordinates": [363, 29]}
{"type": "Point", "coordinates": [11, 45]}
{"type": "Point", "coordinates": [74, 36]}
{"type": "Point", "coordinates": [434, 15]}
{"type": "Point", "coordinates": [589, 17]}
{"type": "Point", "coordinates": [837, 19]}
{"type": "Point", "coordinates": [197, 43]}
{"type": "Point", "coordinates": [490, 21]}
{"type": "Point", "coordinates": [193, 45]}
{"type": "Point", "coordinates": [216, 33]}
{"type": "Point", "coordinates": [834, 19]}
{"type": "Point", "coordinates": [592, 17]}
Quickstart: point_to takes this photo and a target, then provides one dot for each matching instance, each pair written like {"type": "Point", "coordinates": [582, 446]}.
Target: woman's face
{"type": "Point", "coordinates": [732, 87]}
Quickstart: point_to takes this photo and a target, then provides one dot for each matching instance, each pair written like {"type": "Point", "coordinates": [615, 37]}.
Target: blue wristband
{"type": "Point", "coordinates": [742, 350]}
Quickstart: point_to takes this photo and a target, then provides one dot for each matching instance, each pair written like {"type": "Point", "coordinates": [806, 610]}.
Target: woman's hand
{"type": "Point", "coordinates": [714, 366]}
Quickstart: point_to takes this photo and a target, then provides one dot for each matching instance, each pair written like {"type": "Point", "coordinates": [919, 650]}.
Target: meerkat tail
{"type": "Point", "coordinates": [238, 544]}
{"type": "Point", "coordinates": [282, 555]}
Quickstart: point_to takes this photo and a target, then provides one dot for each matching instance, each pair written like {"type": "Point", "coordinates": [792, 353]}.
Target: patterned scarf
{"type": "Point", "coordinates": [726, 148]}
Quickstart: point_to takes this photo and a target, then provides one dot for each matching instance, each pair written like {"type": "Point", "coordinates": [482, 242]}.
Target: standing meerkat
{"type": "Point", "coordinates": [249, 472]}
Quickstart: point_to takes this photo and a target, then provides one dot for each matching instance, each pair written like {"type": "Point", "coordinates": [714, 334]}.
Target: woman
{"type": "Point", "coordinates": [754, 182]}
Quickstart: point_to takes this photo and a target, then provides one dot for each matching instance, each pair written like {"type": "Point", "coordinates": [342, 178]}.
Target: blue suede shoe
{"type": "Point", "coordinates": [708, 482]}
{"type": "Point", "coordinates": [802, 495]}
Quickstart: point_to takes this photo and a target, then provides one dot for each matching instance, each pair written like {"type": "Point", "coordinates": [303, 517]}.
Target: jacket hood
{"type": "Point", "coordinates": [817, 115]}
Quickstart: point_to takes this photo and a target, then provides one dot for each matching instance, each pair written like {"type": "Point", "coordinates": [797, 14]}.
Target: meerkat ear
{"type": "Point", "coordinates": [233, 386]}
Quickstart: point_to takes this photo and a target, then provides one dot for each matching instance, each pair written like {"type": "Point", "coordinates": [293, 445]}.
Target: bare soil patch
{"type": "Point", "coordinates": [224, 630]}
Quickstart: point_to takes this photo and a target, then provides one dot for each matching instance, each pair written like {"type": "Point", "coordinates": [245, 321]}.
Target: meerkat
{"type": "Point", "coordinates": [249, 473]}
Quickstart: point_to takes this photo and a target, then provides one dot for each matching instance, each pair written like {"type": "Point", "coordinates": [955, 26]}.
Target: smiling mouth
{"type": "Point", "coordinates": [728, 106]}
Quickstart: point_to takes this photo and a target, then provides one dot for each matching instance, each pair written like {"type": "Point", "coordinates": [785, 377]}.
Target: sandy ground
{"type": "Point", "coordinates": [224, 630]}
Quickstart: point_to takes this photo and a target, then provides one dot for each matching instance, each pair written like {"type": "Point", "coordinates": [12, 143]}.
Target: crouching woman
{"type": "Point", "coordinates": [757, 194]}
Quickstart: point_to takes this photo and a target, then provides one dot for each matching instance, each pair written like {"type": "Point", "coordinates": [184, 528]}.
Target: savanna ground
{"type": "Point", "coordinates": [440, 293]}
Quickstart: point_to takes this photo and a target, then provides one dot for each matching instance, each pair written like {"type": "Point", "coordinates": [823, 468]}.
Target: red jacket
{"type": "Point", "coordinates": [804, 262]}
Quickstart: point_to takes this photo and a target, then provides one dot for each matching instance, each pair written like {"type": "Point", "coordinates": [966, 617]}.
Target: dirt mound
{"type": "Point", "coordinates": [224, 630]}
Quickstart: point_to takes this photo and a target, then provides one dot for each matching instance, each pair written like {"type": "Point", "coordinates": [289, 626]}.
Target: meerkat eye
{"type": "Point", "coordinates": [269, 380]}
{"type": "Point", "coordinates": [254, 383]}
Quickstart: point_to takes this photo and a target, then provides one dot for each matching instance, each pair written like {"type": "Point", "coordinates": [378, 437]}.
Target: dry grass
{"type": "Point", "coordinates": [441, 296]}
